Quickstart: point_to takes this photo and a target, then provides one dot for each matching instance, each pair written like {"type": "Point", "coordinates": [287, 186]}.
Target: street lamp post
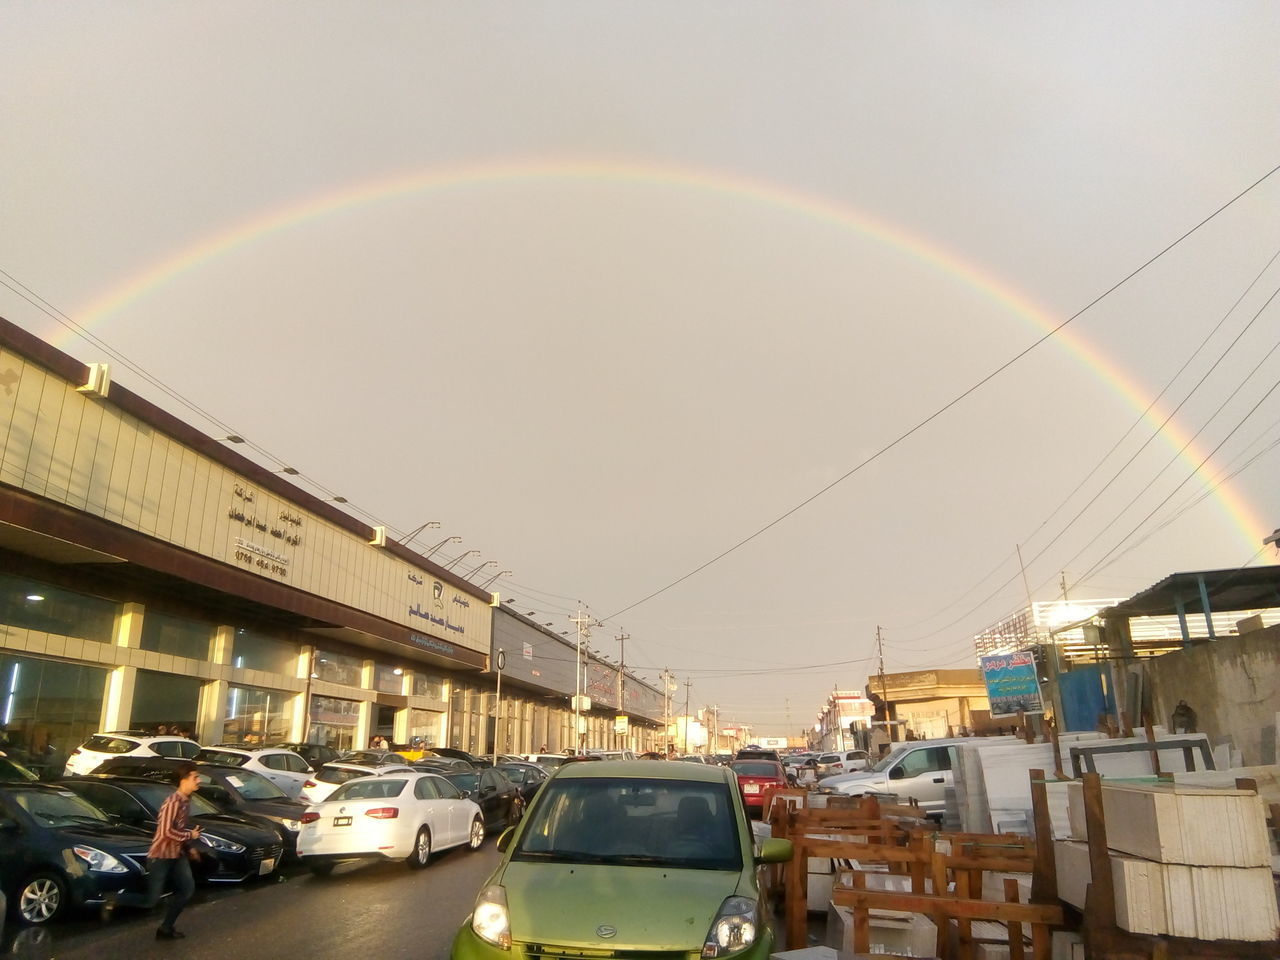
{"type": "Point", "coordinates": [500, 661]}
{"type": "Point", "coordinates": [462, 556]}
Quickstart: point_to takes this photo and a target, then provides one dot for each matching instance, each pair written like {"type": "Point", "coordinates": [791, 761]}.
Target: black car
{"type": "Point", "coordinates": [232, 846]}
{"type": "Point", "coordinates": [454, 752]}
{"type": "Point", "coordinates": [373, 756]}
{"type": "Point", "coordinates": [316, 754]}
{"type": "Point", "coordinates": [499, 799]}
{"type": "Point", "coordinates": [230, 788]}
{"type": "Point", "coordinates": [528, 778]}
{"type": "Point", "coordinates": [58, 852]}
{"type": "Point", "coordinates": [442, 765]}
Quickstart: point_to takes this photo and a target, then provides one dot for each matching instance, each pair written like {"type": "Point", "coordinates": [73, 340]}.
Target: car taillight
{"type": "Point", "coordinates": [310, 783]}
{"type": "Point", "coordinates": [383, 813]}
{"type": "Point", "coordinates": [310, 817]}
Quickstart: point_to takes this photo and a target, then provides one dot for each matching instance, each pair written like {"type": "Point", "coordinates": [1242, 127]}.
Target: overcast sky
{"type": "Point", "coordinates": [605, 289]}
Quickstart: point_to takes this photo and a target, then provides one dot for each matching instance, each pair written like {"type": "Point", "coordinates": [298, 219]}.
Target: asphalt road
{"type": "Point", "coordinates": [361, 911]}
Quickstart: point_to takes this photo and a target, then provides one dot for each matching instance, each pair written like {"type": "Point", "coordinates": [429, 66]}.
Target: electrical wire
{"type": "Point", "coordinates": [949, 404]}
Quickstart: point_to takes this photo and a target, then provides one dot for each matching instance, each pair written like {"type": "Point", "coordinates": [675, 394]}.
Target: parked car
{"type": "Point", "coordinates": [498, 798]}
{"type": "Point", "coordinates": [442, 764]}
{"type": "Point", "coordinates": [232, 846]}
{"type": "Point", "coordinates": [528, 778]}
{"type": "Point", "coordinates": [230, 788]}
{"type": "Point", "coordinates": [397, 817]}
{"type": "Point", "coordinates": [316, 754]}
{"type": "Point", "coordinates": [286, 769]}
{"type": "Point", "coordinates": [374, 756]}
{"type": "Point", "coordinates": [757, 753]}
{"type": "Point", "coordinates": [753, 776]}
{"type": "Point", "coordinates": [331, 776]}
{"type": "Point", "coordinates": [612, 754]}
{"type": "Point", "coordinates": [11, 771]}
{"type": "Point", "coordinates": [920, 770]}
{"type": "Point", "coordinates": [627, 840]}
{"type": "Point", "coordinates": [847, 761]}
{"type": "Point", "coordinates": [454, 752]}
{"type": "Point", "coordinates": [59, 852]}
{"type": "Point", "coordinates": [126, 743]}
{"type": "Point", "coordinates": [548, 760]}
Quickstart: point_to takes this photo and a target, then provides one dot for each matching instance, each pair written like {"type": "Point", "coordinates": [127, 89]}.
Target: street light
{"type": "Point", "coordinates": [494, 579]}
{"type": "Point", "coordinates": [429, 525]}
{"type": "Point", "coordinates": [452, 563]}
{"type": "Point", "coordinates": [478, 567]}
{"type": "Point", "coordinates": [441, 544]}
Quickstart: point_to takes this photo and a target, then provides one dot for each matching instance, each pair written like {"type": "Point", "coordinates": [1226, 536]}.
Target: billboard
{"type": "Point", "coordinates": [1013, 683]}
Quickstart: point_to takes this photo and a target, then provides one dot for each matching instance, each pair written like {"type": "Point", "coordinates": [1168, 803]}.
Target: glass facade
{"type": "Point", "coordinates": [334, 722]}
{"type": "Point", "coordinates": [428, 685]}
{"type": "Point", "coordinates": [424, 728]}
{"type": "Point", "coordinates": [388, 679]}
{"type": "Point", "coordinates": [39, 606]}
{"type": "Point", "coordinates": [50, 708]}
{"type": "Point", "coordinates": [254, 650]}
{"type": "Point", "coordinates": [176, 636]}
{"type": "Point", "coordinates": [164, 698]}
{"type": "Point", "coordinates": [337, 668]}
{"type": "Point", "coordinates": [256, 716]}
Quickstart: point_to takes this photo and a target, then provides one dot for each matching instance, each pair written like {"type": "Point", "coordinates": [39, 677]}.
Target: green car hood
{"type": "Point", "coordinates": [651, 908]}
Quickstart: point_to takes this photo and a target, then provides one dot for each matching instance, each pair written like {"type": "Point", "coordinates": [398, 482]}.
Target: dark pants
{"type": "Point", "coordinates": [184, 885]}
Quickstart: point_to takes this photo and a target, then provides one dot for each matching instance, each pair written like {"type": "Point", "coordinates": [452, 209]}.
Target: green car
{"type": "Point", "coordinates": [623, 858]}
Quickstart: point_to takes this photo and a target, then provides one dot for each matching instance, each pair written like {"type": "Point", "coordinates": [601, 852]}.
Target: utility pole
{"type": "Point", "coordinates": [667, 687]}
{"type": "Point", "coordinates": [583, 624]}
{"type": "Point", "coordinates": [687, 685]}
{"type": "Point", "coordinates": [884, 696]}
{"type": "Point", "coordinates": [622, 680]}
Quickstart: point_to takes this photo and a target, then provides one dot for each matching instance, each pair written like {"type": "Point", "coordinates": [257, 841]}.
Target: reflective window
{"type": "Point", "coordinates": [48, 709]}
{"type": "Point", "coordinates": [256, 716]}
{"type": "Point", "coordinates": [428, 685]}
{"type": "Point", "coordinates": [39, 606]}
{"type": "Point", "coordinates": [333, 722]}
{"type": "Point", "coordinates": [164, 699]}
{"type": "Point", "coordinates": [387, 679]}
{"type": "Point", "coordinates": [258, 651]}
{"type": "Point", "coordinates": [176, 636]}
{"type": "Point", "coordinates": [337, 668]}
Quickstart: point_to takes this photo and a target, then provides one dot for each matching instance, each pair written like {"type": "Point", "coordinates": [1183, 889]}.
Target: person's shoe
{"type": "Point", "coordinates": [163, 934]}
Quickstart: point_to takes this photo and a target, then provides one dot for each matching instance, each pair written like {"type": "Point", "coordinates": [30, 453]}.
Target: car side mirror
{"type": "Point", "coordinates": [775, 850]}
{"type": "Point", "coordinates": [504, 839]}
{"type": "Point", "coordinates": [8, 826]}
{"type": "Point", "coordinates": [897, 773]}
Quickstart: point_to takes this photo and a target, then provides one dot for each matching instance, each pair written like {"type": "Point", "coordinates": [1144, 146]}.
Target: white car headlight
{"type": "Point", "coordinates": [220, 843]}
{"type": "Point", "coordinates": [490, 920]}
{"type": "Point", "coordinates": [733, 929]}
{"type": "Point", "coordinates": [99, 861]}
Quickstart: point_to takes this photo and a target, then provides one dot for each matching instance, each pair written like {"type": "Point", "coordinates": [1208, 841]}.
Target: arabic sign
{"type": "Point", "coordinates": [1013, 684]}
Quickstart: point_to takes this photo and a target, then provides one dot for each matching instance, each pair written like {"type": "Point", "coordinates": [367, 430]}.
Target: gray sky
{"type": "Point", "coordinates": [605, 288]}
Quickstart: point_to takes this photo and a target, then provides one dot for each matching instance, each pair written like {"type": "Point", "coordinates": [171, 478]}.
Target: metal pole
{"type": "Point", "coordinates": [497, 712]}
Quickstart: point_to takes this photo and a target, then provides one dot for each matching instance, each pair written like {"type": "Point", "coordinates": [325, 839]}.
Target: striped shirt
{"type": "Point", "coordinates": [172, 828]}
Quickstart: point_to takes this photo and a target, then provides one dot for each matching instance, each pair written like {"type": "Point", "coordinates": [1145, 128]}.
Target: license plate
{"type": "Point", "coordinates": [751, 788]}
{"type": "Point", "coordinates": [342, 821]}
{"type": "Point", "coordinates": [266, 866]}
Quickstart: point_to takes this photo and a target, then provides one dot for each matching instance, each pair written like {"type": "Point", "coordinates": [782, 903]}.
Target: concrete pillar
{"type": "Point", "coordinates": [400, 730]}
{"type": "Point", "coordinates": [223, 646]}
{"type": "Point", "coordinates": [128, 629]}
{"type": "Point", "coordinates": [117, 705]}
{"type": "Point", "coordinates": [364, 726]}
{"type": "Point", "coordinates": [298, 724]}
{"type": "Point", "coordinates": [211, 713]}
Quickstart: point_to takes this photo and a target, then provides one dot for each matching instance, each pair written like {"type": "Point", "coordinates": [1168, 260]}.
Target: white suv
{"type": "Point", "coordinates": [333, 775]}
{"type": "Point", "coordinates": [286, 769]}
{"type": "Point", "coordinates": [85, 758]}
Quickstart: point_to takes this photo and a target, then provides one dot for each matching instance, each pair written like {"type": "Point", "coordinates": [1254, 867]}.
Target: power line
{"type": "Point", "coordinates": [947, 406]}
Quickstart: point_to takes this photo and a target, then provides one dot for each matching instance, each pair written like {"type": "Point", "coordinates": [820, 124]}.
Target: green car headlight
{"type": "Point", "coordinates": [733, 929]}
{"type": "Point", "coordinates": [490, 919]}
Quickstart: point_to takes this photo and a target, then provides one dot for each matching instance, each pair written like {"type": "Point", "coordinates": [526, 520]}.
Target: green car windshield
{"type": "Point", "coordinates": [633, 821]}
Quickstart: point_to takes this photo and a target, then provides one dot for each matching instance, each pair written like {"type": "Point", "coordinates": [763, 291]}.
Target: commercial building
{"type": "Point", "coordinates": [152, 575]}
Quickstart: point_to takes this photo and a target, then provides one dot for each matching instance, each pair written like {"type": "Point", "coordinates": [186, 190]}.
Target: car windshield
{"type": "Point", "coordinates": [339, 774]}
{"type": "Point", "coordinates": [13, 772]}
{"type": "Point", "coordinates": [384, 788]}
{"type": "Point", "coordinates": [465, 782]}
{"type": "Point", "coordinates": [881, 765]}
{"type": "Point", "coordinates": [254, 786]}
{"type": "Point", "coordinates": [633, 822]}
{"type": "Point", "coordinates": [228, 758]}
{"type": "Point", "coordinates": [58, 808]}
{"type": "Point", "coordinates": [514, 774]}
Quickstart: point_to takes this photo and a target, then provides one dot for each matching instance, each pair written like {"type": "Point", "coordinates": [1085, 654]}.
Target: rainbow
{"type": "Point", "coordinates": [706, 182]}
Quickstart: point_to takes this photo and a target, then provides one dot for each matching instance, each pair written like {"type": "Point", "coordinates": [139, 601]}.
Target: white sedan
{"type": "Point", "coordinates": [402, 816]}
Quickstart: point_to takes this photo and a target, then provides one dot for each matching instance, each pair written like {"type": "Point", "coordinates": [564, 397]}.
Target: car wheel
{"type": "Point", "coordinates": [421, 853]}
{"type": "Point", "coordinates": [41, 898]}
{"type": "Point", "coordinates": [476, 838]}
{"type": "Point", "coordinates": [321, 869]}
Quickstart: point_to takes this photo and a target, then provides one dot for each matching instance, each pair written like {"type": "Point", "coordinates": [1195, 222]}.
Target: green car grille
{"type": "Point", "coordinates": [546, 951]}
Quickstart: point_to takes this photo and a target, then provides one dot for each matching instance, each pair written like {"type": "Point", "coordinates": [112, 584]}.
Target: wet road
{"type": "Point", "coordinates": [362, 911]}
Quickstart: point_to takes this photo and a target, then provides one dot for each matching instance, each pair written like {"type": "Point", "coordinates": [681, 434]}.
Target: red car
{"type": "Point", "coordinates": [753, 777]}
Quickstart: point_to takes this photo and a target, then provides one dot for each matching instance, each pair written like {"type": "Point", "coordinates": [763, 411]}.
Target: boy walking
{"type": "Point", "coordinates": [166, 860]}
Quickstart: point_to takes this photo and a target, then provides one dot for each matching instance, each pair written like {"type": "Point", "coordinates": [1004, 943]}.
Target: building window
{"type": "Point", "coordinates": [388, 679]}
{"type": "Point", "coordinates": [252, 650]}
{"type": "Point", "coordinates": [49, 709]}
{"type": "Point", "coordinates": [334, 722]}
{"type": "Point", "coordinates": [48, 609]}
{"type": "Point", "coordinates": [424, 728]}
{"type": "Point", "coordinates": [176, 636]}
{"type": "Point", "coordinates": [165, 698]}
{"type": "Point", "coordinates": [337, 668]}
{"type": "Point", "coordinates": [256, 716]}
{"type": "Point", "coordinates": [428, 685]}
